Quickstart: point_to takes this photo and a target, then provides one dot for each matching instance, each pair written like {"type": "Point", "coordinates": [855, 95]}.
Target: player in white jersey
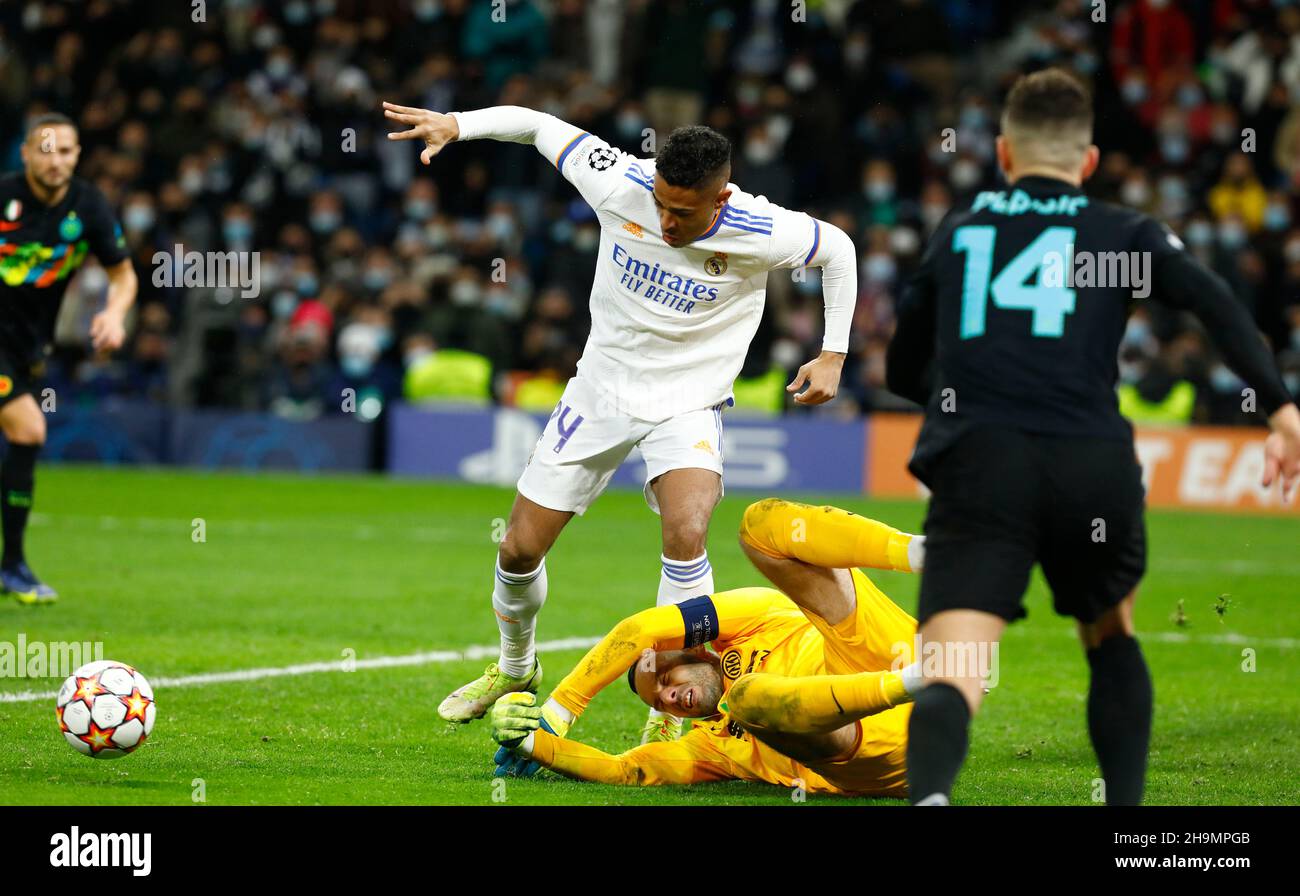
{"type": "Point", "coordinates": [678, 294]}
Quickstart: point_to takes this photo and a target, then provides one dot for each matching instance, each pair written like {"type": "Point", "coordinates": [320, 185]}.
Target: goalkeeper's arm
{"type": "Point", "coordinates": [515, 725]}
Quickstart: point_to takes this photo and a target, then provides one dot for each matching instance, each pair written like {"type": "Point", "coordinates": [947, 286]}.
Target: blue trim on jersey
{"type": "Point", "coordinates": [640, 183]}
{"type": "Point", "coordinates": [559, 163]}
{"type": "Point", "coordinates": [817, 240]}
{"type": "Point", "coordinates": [756, 219]}
{"type": "Point", "coordinates": [717, 222]}
{"type": "Point", "coordinates": [638, 175]}
{"type": "Point", "coordinates": [741, 224]}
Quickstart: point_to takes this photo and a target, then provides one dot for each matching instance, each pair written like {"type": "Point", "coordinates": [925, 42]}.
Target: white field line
{"type": "Point", "coordinates": [307, 527]}
{"type": "Point", "coordinates": [484, 651]}
{"type": "Point", "coordinates": [380, 662]}
{"type": "Point", "coordinates": [1181, 638]}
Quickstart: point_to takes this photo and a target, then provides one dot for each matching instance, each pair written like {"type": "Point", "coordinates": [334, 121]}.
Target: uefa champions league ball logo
{"type": "Point", "coordinates": [602, 159]}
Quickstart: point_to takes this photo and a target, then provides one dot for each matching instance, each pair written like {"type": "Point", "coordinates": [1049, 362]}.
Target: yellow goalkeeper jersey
{"type": "Point", "coordinates": [751, 630]}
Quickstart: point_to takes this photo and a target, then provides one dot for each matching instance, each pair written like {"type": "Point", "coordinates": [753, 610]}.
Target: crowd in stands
{"type": "Point", "coordinates": [259, 128]}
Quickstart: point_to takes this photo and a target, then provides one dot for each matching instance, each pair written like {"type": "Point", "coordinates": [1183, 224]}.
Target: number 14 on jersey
{"type": "Point", "coordinates": [1050, 256]}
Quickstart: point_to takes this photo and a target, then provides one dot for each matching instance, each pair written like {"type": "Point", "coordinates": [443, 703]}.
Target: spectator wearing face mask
{"type": "Point", "coordinates": [1151, 39]}
{"type": "Point", "coordinates": [462, 321]}
{"type": "Point", "coordinates": [1239, 193]}
{"type": "Point", "coordinates": [363, 366]}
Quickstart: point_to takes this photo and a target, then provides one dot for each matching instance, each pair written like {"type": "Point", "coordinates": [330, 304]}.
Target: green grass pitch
{"type": "Point", "coordinates": [299, 570]}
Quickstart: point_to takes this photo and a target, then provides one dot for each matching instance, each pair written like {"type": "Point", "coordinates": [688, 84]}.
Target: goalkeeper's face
{"type": "Point", "coordinates": [682, 682]}
{"type": "Point", "coordinates": [686, 213]}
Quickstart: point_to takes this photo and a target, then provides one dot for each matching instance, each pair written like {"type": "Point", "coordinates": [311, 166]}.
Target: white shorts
{"type": "Point", "coordinates": [580, 449]}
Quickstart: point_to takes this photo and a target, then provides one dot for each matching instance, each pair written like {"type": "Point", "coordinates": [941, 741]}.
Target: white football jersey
{"type": "Point", "coordinates": [670, 327]}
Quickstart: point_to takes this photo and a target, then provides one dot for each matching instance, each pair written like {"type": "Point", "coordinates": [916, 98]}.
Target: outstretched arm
{"type": "Point", "coordinates": [687, 761]}
{"type": "Point", "coordinates": [512, 124]}
{"type": "Point", "coordinates": [564, 145]}
{"type": "Point", "coordinates": [691, 623]}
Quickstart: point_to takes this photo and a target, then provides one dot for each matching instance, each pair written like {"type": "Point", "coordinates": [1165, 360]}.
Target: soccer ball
{"type": "Point", "coordinates": [105, 709]}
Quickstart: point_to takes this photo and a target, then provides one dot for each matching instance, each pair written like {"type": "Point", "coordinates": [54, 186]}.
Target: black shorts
{"type": "Point", "coordinates": [1004, 499]}
{"type": "Point", "coordinates": [18, 376]}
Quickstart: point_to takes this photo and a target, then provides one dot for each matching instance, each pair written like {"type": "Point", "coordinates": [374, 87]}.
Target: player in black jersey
{"type": "Point", "coordinates": [1009, 335]}
{"type": "Point", "coordinates": [49, 222]}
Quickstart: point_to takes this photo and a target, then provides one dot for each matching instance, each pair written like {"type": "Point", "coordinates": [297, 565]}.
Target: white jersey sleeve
{"type": "Point", "coordinates": [585, 160]}
{"type": "Point", "coordinates": [800, 240]}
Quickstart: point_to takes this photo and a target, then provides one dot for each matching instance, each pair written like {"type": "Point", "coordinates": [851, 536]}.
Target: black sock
{"type": "Point", "coordinates": [1119, 717]}
{"type": "Point", "coordinates": [17, 478]}
{"type": "Point", "coordinates": [936, 741]}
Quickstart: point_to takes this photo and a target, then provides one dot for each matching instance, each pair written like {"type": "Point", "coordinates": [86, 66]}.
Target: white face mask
{"type": "Point", "coordinates": [192, 181]}
{"type": "Point", "coordinates": [464, 294]}
{"type": "Point", "coordinates": [965, 174]}
{"type": "Point", "coordinates": [904, 241]}
{"type": "Point", "coordinates": [879, 268]}
{"type": "Point", "coordinates": [1135, 193]}
{"type": "Point", "coordinates": [760, 152]}
{"type": "Point", "coordinates": [800, 78]}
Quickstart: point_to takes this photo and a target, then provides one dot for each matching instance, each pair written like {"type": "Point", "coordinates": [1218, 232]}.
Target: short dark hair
{"type": "Point", "coordinates": [1050, 99]}
{"type": "Point", "coordinates": [693, 156]}
{"type": "Point", "coordinates": [46, 119]}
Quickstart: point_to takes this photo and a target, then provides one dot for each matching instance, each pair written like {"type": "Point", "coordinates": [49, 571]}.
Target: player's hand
{"type": "Point", "coordinates": [513, 718]}
{"type": "Point", "coordinates": [822, 376]}
{"type": "Point", "coordinates": [107, 331]}
{"type": "Point", "coordinates": [1282, 450]}
{"type": "Point", "coordinates": [434, 128]}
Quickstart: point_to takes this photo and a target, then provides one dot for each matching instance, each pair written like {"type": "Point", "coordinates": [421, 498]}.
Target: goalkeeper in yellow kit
{"type": "Point", "coordinates": [810, 687]}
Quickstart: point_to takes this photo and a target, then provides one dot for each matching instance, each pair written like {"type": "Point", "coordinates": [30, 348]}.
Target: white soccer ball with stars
{"type": "Point", "coordinates": [105, 709]}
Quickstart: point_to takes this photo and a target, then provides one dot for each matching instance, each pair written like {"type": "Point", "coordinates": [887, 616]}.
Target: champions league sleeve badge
{"type": "Point", "coordinates": [602, 159]}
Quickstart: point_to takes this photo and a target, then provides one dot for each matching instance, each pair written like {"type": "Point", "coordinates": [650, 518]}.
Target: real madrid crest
{"type": "Point", "coordinates": [716, 264]}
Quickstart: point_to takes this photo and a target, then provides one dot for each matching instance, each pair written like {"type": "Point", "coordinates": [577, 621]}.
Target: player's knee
{"type": "Point", "coordinates": [745, 704]}
{"type": "Point", "coordinates": [1113, 622]}
{"type": "Point", "coordinates": [686, 533]}
{"type": "Point", "coordinates": [515, 554]}
{"type": "Point", "coordinates": [756, 529]}
{"type": "Point", "coordinates": [686, 542]}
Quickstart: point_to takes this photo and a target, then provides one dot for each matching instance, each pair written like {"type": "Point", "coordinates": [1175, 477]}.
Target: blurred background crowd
{"type": "Point", "coordinates": [259, 128]}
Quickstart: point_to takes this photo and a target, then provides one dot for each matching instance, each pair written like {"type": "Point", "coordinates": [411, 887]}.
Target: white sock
{"type": "Point", "coordinates": [516, 598]}
{"type": "Point", "coordinates": [681, 580]}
